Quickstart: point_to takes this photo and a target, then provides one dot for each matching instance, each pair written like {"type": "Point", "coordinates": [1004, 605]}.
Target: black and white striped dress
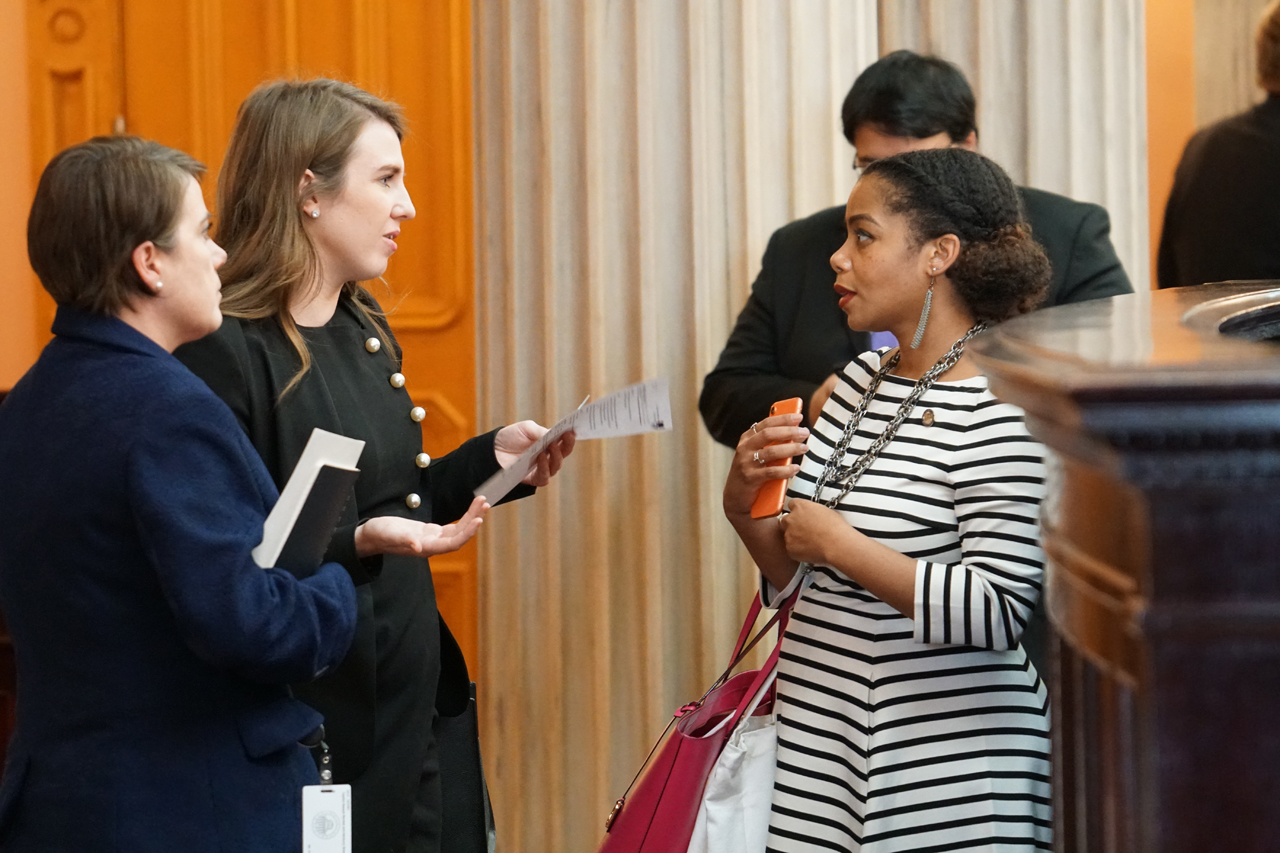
{"type": "Point", "coordinates": [925, 734]}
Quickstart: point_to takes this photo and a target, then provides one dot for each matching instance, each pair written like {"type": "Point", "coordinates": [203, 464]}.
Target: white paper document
{"type": "Point", "coordinates": [639, 408]}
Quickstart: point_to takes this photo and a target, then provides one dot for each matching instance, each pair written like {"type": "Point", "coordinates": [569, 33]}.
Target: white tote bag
{"type": "Point", "coordinates": [734, 815]}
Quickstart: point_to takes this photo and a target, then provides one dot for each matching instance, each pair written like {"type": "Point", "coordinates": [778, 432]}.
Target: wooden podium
{"type": "Point", "coordinates": [1162, 412]}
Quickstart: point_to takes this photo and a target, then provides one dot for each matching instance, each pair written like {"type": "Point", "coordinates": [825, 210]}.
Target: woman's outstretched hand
{"type": "Point", "coordinates": [388, 534]}
{"type": "Point", "coordinates": [749, 471]}
{"type": "Point", "coordinates": [511, 441]}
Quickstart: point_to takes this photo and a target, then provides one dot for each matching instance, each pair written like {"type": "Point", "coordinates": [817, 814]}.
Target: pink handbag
{"type": "Point", "coordinates": [658, 812]}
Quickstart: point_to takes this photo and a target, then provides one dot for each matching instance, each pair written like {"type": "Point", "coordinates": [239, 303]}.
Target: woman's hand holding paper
{"type": "Point", "coordinates": [512, 441]}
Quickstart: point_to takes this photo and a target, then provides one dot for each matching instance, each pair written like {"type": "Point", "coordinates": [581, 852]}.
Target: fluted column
{"type": "Point", "coordinates": [632, 160]}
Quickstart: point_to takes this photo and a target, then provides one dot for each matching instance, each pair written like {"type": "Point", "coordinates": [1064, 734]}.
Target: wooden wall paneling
{"type": "Point", "coordinates": [1171, 108]}
{"type": "Point", "coordinates": [431, 276]}
{"type": "Point", "coordinates": [76, 85]}
{"type": "Point", "coordinates": [18, 287]}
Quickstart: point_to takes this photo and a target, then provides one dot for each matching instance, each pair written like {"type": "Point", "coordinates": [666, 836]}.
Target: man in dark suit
{"type": "Point", "coordinates": [1222, 221]}
{"type": "Point", "coordinates": [791, 335]}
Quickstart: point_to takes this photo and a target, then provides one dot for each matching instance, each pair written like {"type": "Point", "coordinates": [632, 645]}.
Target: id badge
{"type": "Point", "coordinates": [326, 819]}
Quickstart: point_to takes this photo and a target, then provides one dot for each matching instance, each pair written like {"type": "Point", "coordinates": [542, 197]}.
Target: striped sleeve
{"type": "Point", "coordinates": [986, 598]}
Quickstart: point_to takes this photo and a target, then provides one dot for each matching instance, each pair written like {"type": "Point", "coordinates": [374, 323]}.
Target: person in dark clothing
{"type": "Point", "coordinates": [313, 198]}
{"type": "Point", "coordinates": [791, 336]}
{"type": "Point", "coordinates": [1222, 220]}
{"type": "Point", "coordinates": [154, 654]}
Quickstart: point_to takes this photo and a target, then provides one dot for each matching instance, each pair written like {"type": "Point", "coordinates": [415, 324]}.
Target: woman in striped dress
{"type": "Point", "coordinates": [909, 717]}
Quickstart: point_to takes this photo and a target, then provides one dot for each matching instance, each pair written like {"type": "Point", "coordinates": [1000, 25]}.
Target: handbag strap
{"type": "Point", "coordinates": [780, 618]}
{"type": "Point", "coordinates": [762, 682]}
{"type": "Point", "coordinates": [753, 613]}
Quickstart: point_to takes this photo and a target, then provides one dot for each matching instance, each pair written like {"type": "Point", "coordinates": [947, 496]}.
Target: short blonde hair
{"type": "Point", "coordinates": [1268, 47]}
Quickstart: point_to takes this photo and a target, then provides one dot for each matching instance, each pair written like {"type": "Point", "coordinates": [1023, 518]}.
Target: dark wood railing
{"type": "Point", "coordinates": [1163, 538]}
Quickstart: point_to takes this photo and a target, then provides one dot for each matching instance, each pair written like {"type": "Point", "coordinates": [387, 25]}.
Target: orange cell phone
{"type": "Point", "coordinates": [771, 495]}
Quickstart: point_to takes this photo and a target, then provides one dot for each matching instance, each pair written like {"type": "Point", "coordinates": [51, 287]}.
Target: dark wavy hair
{"type": "Point", "coordinates": [1001, 271]}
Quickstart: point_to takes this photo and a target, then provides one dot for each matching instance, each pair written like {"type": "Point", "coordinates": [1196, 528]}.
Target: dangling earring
{"type": "Point", "coordinates": [924, 315]}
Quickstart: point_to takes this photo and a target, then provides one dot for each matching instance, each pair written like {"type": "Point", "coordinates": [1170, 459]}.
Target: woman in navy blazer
{"type": "Point", "coordinates": [153, 654]}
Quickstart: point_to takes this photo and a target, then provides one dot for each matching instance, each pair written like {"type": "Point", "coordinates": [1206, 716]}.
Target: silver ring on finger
{"type": "Point", "coordinates": [756, 457]}
{"type": "Point", "coordinates": [753, 427]}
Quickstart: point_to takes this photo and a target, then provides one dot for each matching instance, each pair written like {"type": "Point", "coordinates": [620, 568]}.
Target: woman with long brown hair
{"type": "Point", "coordinates": [312, 199]}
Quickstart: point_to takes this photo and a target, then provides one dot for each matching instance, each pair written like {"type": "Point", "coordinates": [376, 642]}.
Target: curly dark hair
{"type": "Point", "coordinates": [1001, 271]}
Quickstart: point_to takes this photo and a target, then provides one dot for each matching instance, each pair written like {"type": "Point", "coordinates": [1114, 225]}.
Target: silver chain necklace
{"type": "Point", "coordinates": [846, 478]}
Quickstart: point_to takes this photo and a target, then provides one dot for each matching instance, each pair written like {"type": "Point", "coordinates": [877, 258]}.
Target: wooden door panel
{"type": "Point", "coordinates": [76, 87]}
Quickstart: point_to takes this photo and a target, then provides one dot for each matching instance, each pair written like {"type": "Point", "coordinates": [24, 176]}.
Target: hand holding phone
{"type": "Point", "coordinates": [771, 495]}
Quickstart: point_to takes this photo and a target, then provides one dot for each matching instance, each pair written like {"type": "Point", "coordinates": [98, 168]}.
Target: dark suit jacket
{"type": "Point", "coordinates": [152, 652]}
{"type": "Point", "coordinates": [792, 335]}
{"type": "Point", "coordinates": [1222, 221]}
{"type": "Point", "coordinates": [378, 704]}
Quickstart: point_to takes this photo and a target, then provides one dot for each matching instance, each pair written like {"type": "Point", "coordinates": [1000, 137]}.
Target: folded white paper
{"type": "Point", "coordinates": [639, 408]}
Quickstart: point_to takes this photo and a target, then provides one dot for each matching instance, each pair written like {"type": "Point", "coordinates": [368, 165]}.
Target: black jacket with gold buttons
{"type": "Point", "coordinates": [378, 705]}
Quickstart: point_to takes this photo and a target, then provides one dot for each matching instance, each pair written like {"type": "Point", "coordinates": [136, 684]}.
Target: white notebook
{"type": "Point", "coordinates": [315, 495]}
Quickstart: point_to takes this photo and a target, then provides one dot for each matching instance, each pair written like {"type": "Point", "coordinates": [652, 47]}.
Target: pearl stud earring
{"type": "Point", "coordinates": [315, 214]}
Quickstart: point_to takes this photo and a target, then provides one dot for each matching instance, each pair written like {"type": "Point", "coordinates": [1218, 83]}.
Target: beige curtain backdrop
{"type": "Point", "coordinates": [632, 159]}
{"type": "Point", "coordinates": [1061, 95]}
{"type": "Point", "coordinates": [1225, 63]}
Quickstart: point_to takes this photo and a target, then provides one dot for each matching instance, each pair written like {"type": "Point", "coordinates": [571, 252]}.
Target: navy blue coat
{"type": "Point", "coordinates": [152, 652]}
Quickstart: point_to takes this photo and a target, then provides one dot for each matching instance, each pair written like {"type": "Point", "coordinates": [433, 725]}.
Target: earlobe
{"type": "Point", "coordinates": [945, 251]}
{"type": "Point", "coordinates": [310, 206]}
{"type": "Point", "coordinates": [146, 257]}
